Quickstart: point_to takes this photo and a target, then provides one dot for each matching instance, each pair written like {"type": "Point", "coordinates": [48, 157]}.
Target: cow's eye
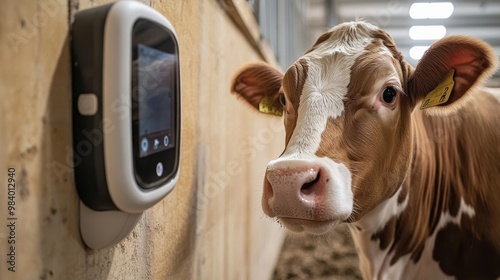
{"type": "Point", "coordinates": [389, 95]}
{"type": "Point", "coordinates": [282, 99]}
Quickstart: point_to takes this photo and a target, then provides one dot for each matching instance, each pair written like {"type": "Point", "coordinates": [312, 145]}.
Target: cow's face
{"type": "Point", "coordinates": [347, 126]}
{"type": "Point", "coordinates": [347, 107]}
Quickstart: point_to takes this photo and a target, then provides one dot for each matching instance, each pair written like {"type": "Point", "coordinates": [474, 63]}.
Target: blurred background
{"type": "Point", "coordinates": [414, 25]}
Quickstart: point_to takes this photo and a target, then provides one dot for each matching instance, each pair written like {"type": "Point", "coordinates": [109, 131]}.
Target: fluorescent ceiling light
{"type": "Point", "coordinates": [427, 32]}
{"type": "Point", "coordinates": [431, 10]}
{"type": "Point", "coordinates": [418, 51]}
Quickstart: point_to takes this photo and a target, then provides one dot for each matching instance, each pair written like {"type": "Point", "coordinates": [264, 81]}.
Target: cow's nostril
{"type": "Point", "coordinates": [308, 187]}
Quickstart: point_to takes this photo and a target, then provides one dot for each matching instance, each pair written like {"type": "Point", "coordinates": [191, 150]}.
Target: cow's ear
{"type": "Point", "coordinates": [259, 85]}
{"type": "Point", "coordinates": [450, 70]}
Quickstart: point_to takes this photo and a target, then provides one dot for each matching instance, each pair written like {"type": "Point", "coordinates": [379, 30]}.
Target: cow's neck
{"type": "Point", "coordinates": [397, 237]}
{"type": "Point", "coordinates": [375, 257]}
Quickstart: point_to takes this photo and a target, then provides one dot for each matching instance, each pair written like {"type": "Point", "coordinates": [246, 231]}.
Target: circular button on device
{"type": "Point", "coordinates": [159, 169]}
{"type": "Point", "coordinates": [144, 144]}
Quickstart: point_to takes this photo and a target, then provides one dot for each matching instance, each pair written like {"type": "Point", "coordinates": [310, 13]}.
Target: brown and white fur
{"type": "Point", "coordinates": [420, 189]}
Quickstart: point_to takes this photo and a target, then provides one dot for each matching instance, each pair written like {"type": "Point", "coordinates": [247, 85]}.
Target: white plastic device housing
{"type": "Point", "coordinates": [100, 229]}
{"type": "Point", "coordinates": [122, 186]}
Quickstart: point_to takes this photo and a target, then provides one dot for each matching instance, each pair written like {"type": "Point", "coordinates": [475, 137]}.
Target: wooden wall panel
{"type": "Point", "coordinates": [209, 227]}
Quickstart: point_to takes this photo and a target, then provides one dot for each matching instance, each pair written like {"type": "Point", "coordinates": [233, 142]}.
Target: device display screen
{"type": "Point", "coordinates": [155, 103]}
{"type": "Point", "coordinates": [156, 80]}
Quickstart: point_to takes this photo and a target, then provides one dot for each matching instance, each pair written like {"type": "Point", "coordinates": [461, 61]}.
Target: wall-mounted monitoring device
{"type": "Point", "coordinates": [126, 116]}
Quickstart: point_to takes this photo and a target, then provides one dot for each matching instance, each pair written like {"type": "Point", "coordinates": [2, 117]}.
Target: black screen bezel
{"type": "Point", "coordinates": [156, 36]}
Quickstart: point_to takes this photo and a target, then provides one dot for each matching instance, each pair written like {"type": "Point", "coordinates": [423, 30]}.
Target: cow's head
{"type": "Point", "coordinates": [347, 107]}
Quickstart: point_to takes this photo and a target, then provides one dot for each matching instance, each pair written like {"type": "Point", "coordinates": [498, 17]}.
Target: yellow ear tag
{"type": "Point", "coordinates": [441, 93]}
{"type": "Point", "coordinates": [265, 106]}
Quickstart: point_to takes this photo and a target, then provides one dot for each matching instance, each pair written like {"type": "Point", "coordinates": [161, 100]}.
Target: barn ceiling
{"type": "Point", "coordinates": [480, 19]}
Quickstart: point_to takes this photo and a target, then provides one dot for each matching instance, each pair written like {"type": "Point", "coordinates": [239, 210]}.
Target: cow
{"type": "Point", "coordinates": [408, 157]}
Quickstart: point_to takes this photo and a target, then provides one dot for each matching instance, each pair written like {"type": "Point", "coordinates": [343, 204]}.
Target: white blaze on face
{"type": "Point", "coordinates": [328, 199]}
{"type": "Point", "coordinates": [324, 91]}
